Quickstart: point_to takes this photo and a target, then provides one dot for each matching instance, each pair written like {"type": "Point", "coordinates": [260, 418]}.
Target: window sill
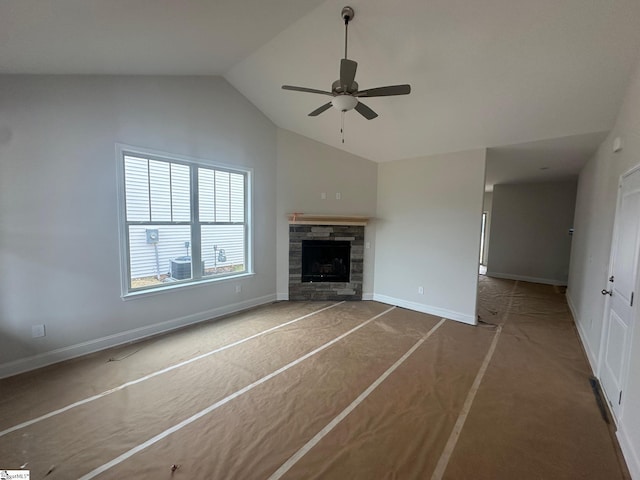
{"type": "Point", "coordinates": [180, 286]}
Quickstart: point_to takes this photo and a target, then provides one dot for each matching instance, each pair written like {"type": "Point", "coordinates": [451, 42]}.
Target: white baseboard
{"type": "Point", "coordinates": [431, 310]}
{"type": "Point", "coordinates": [630, 455]}
{"type": "Point", "coordinates": [524, 278]}
{"type": "Point", "coordinates": [367, 296]}
{"type": "Point", "coordinates": [66, 353]}
{"type": "Point", "coordinates": [591, 357]}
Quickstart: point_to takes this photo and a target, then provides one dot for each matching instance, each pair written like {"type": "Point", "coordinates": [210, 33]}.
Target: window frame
{"type": "Point", "coordinates": [194, 222]}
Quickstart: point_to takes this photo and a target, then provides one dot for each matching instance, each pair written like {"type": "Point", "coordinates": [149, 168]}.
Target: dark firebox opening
{"type": "Point", "coordinates": [326, 261]}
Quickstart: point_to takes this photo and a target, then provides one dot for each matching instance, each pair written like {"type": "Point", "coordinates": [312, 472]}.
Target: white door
{"type": "Point", "coordinates": [620, 308]}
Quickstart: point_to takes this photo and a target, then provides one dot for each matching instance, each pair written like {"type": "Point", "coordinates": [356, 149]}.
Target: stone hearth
{"type": "Point", "coordinates": [351, 290]}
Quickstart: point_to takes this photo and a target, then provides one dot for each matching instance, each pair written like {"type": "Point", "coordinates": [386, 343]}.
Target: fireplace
{"type": "Point", "coordinates": [325, 261]}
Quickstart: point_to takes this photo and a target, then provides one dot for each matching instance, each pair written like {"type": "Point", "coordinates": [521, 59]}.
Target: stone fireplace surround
{"type": "Point", "coordinates": [351, 290]}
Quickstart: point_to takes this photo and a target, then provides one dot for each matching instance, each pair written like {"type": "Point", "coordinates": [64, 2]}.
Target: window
{"type": "Point", "coordinates": [183, 221]}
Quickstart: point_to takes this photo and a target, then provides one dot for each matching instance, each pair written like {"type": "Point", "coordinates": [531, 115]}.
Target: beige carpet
{"type": "Point", "coordinates": [354, 390]}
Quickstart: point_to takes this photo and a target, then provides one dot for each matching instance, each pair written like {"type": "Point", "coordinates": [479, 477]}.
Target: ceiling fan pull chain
{"type": "Point", "coordinates": [342, 125]}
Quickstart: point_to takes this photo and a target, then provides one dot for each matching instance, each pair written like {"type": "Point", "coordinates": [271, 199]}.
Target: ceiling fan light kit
{"type": "Point", "coordinates": [344, 103]}
{"type": "Point", "coordinates": [345, 91]}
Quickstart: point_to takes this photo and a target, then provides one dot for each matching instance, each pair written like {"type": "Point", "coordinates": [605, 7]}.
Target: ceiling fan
{"type": "Point", "coordinates": [344, 91]}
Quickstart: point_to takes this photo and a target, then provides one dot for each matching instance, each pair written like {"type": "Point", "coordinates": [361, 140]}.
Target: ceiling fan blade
{"type": "Point", "coordinates": [321, 109]}
{"type": "Point", "coordinates": [305, 89]}
{"type": "Point", "coordinates": [347, 73]}
{"type": "Point", "coordinates": [365, 111]}
{"type": "Point", "coordinates": [385, 91]}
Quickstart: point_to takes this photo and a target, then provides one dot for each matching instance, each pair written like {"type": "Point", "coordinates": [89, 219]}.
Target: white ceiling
{"type": "Point", "coordinates": [489, 73]}
{"type": "Point", "coordinates": [139, 37]}
{"type": "Point", "coordinates": [545, 160]}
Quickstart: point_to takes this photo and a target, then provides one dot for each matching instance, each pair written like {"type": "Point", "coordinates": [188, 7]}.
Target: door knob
{"type": "Point", "coordinates": [607, 292]}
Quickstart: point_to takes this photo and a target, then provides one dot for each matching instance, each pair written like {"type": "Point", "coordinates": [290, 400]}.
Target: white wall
{"type": "Point", "coordinates": [428, 233]}
{"type": "Point", "coordinates": [306, 169]}
{"type": "Point", "coordinates": [529, 232]}
{"type": "Point", "coordinates": [59, 254]}
{"type": "Point", "coordinates": [595, 213]}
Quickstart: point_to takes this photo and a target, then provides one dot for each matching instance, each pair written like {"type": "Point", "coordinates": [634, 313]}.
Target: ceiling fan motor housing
{"type": "Point", "coordinates": [336, 88]}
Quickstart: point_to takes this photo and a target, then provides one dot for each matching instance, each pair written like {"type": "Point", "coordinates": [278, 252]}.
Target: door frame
{"type": "Point", "coordinates": [605, 313]}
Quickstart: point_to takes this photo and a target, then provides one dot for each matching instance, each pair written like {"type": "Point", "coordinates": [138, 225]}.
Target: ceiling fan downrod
{"type": "Point", "coordinates": [347, 15]}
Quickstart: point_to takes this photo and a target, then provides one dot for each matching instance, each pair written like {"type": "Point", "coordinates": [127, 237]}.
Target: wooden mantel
{"type": "Point", "coordinates": [311, 219]}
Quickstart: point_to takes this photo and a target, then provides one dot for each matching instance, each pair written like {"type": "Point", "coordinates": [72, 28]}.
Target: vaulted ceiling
{"type": "Point", "coordinates": [491, 73]}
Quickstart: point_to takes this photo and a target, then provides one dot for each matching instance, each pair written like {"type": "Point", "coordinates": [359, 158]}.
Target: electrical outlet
{"type": "Point", "coordinates": [421, 290]}
{"type": "Point", "coordinates": [238, 288]}
{"type": "Point", "coordinates": [367, 244]}
{"type": "Point", "coordinates": [338, 196]}
{"type": "Point", "coordinates": [37, 331]}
